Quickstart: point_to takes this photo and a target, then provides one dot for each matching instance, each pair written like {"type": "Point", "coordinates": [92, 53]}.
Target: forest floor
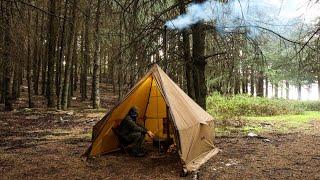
{"type": "Point", "coordinates": [47, 144]}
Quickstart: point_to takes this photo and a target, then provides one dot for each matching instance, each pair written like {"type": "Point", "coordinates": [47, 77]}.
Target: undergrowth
{"type": "Point", "coordinates": [230, 107]}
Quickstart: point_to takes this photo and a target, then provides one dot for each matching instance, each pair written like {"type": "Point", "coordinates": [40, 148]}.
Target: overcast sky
{"type": "Point", "coordinates": [252, 12]}
{"type": "Point", "coordinates": [305, 9]}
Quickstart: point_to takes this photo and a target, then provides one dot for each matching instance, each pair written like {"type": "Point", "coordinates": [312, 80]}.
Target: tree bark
{"type": "Point", "coordinates": [287, 89]}
{"type": "Point", "coordinates": [319, 86]}
{"type": "Point", "coordinates": [1, 90]}
{"type": "Point", "coordinates": [260, 84]}
{"type": "Point", "coordinates": [29, 73]}
{"type": "Point", "coordinates": [66, 82]}
{"type": "Point", "coordinates": [119, 56]}
{"type": "Point", "coordinates": [29, 62]}
{"type": "Point", "coordinates": [7, 56]}
{"type": "Point", "coordinates": [198, 50]}
{"type": "Point", "coordinates": [276, 90]}
{"type": "Point", "coordinates": [44, 75]}
{"type": "Point", "coordinates": [267, 87]}
{"type": "Point", "coordinates": [86, 54]}
{"type": "Point", "coordinates": [42, 58]}
{"type": "Point", "coordinates": [237, 82]}
{"type": "Point", "coordinates": [252, 80]}
{"type": "Point", "coordinates": [299, 91]}
{"type": "Point", "coordinates": [82, 63]}
{"type": "Point", "coordinates": [17, 79]}
{"type": "Point", "coordinates": [59, 62]}
{"type": "Point", "coordinates": [74, 67]}
{"type": "Point", "coordinates": [187, 57]}
{"type": "Point", "coordinates": [35, 72]}
{"type": "Point", "coordinates": [244, 82]}
{"type": "Point", "coordinates": [110, 70]}
{"type": "Point", "coordinates": [51, 54]}
{"type": "Point", "coordinates": [95, 79]}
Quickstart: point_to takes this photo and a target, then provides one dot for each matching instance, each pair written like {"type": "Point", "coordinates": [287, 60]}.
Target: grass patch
{"type": "Point", "coordinates": [273, 124]}
{"type": "Point", "coordinates": [305, 116]}
{"type": "Point", "coordinates": [228, 107]}
{"type": "Point", "coordinates": [286, 123]}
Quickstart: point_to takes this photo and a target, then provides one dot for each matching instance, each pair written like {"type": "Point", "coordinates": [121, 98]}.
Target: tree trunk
{"type": "Point", "coordinates": [66, 82]}
{"type": "Point", "coordinates": [1, 89]}
{"type": "Point", "coordinates": [244, 81]}
{"type": "Point", "coordinates": [287, 89]}
{"type": "Point", "coordinates": [74, 64]}
{"type": "Point", "coordinates": [187, 57]}
{"type": "Point", "coordinates": [110, 70]}
{"type": "Point", "coordinates": [260, 84]}
{"type": "Point", "coordinates": [319, 86]}
{"type": "Point", "coordinates": [16, 80]}
{"type": "Point", "coordinates": [44, 75]}
{"type": "Point", "coordinates": [119, 56]}
{"type": "Point", "coordinates": [252, 79]}
{"type": "Point", "coordinates": [276, 90]}
{"type": "Point", "coordinates": [29, 74]}
{"type": "Point", "coordinates": [43, 58]}
{"type": "Point", "coordinates": [59, 62]}
{"type": "Point", "coordinates": [29, 62]}
{"type": "Point", "coordinates": [281, 90]}
{"type": "Point", "coordinates": [86, 54]}
{"type": "Point", "coordinates": [35, 72]}
{"type": "Point", "coordinates": [82, 63]}
{"type": "Point", "coordinates": [237, 82]}
{"type": "Point", "coordinates": [7, 57]}
{"type": "Point", "coordinates": [198, 50]}
{"type": "Point", "coordinates": [95, 79]}
{"type": "Point", "coordinates": [74, 73]}
{"type": "Point", "coordinates": [267, 87]}
{"type": "Point", "coordinates": [51, 53]}
{"type": "Point", "coordinates": [299, 91]}
{"type": "Point", "coordinates": [134, 45]}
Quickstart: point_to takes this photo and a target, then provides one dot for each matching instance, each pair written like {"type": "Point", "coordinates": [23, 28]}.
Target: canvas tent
{"type": "Point", "coordinates": [157, 96]}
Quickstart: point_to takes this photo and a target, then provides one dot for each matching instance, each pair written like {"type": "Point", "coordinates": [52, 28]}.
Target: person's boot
{"type": "Point", "coordinates": [136, 153]}
{"type": "Point", "coordinates": [143, 150]}
{"type": "Point", "coordinates": [140, 154]}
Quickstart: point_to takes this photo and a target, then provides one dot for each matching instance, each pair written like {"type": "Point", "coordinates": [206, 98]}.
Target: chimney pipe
{"type": "Point", "coordinates": [165, 58]}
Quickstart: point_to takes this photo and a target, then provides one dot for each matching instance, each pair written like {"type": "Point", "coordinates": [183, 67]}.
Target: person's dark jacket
{"type": "Point", "coordinates": [128, 126]}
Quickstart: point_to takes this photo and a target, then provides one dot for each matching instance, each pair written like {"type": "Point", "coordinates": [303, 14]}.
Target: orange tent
{"type": "Point", "coordinates": [157, 97]}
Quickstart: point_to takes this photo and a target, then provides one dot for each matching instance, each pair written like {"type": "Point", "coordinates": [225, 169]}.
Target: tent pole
{"type": "Point", "coordinates": [145, 111]}
{"type": "Point", "coordinates": [168, 123]}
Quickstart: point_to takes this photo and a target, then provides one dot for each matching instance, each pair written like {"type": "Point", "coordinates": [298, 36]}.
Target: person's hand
{"type": "Point", "coordinates": [150, 134]}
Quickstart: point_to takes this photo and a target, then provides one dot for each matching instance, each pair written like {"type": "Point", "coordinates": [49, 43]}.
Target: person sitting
{"type": "Point", "coordinates": [134, 133]}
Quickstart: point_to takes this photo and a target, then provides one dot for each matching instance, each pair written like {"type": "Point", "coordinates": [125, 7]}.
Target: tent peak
{"type": "Point", "coordinates": [154, 68]}
{"type": "Point", "coordinates": [155, 65]}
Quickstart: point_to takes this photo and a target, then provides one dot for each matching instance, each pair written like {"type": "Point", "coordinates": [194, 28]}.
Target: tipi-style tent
{"type": "Point", "coordinates": [157, 96]}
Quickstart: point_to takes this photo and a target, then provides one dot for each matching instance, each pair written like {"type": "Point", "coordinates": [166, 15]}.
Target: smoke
{"type": "Point", "coordinates": [275, 14]}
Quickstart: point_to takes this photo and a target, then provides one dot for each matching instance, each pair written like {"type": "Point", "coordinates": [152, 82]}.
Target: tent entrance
{"type": "Point", "coordinates": [156, 116]}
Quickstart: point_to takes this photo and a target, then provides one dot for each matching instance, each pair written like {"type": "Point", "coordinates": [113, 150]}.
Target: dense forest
{"type": "Point", "coordinates": [60, 47]}
{"type": "Point", "coordinates": [249, 65]}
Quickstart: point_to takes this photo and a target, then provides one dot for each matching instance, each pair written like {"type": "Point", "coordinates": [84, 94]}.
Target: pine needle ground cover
{"type": "Point", "coordinates": [38, 144]}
